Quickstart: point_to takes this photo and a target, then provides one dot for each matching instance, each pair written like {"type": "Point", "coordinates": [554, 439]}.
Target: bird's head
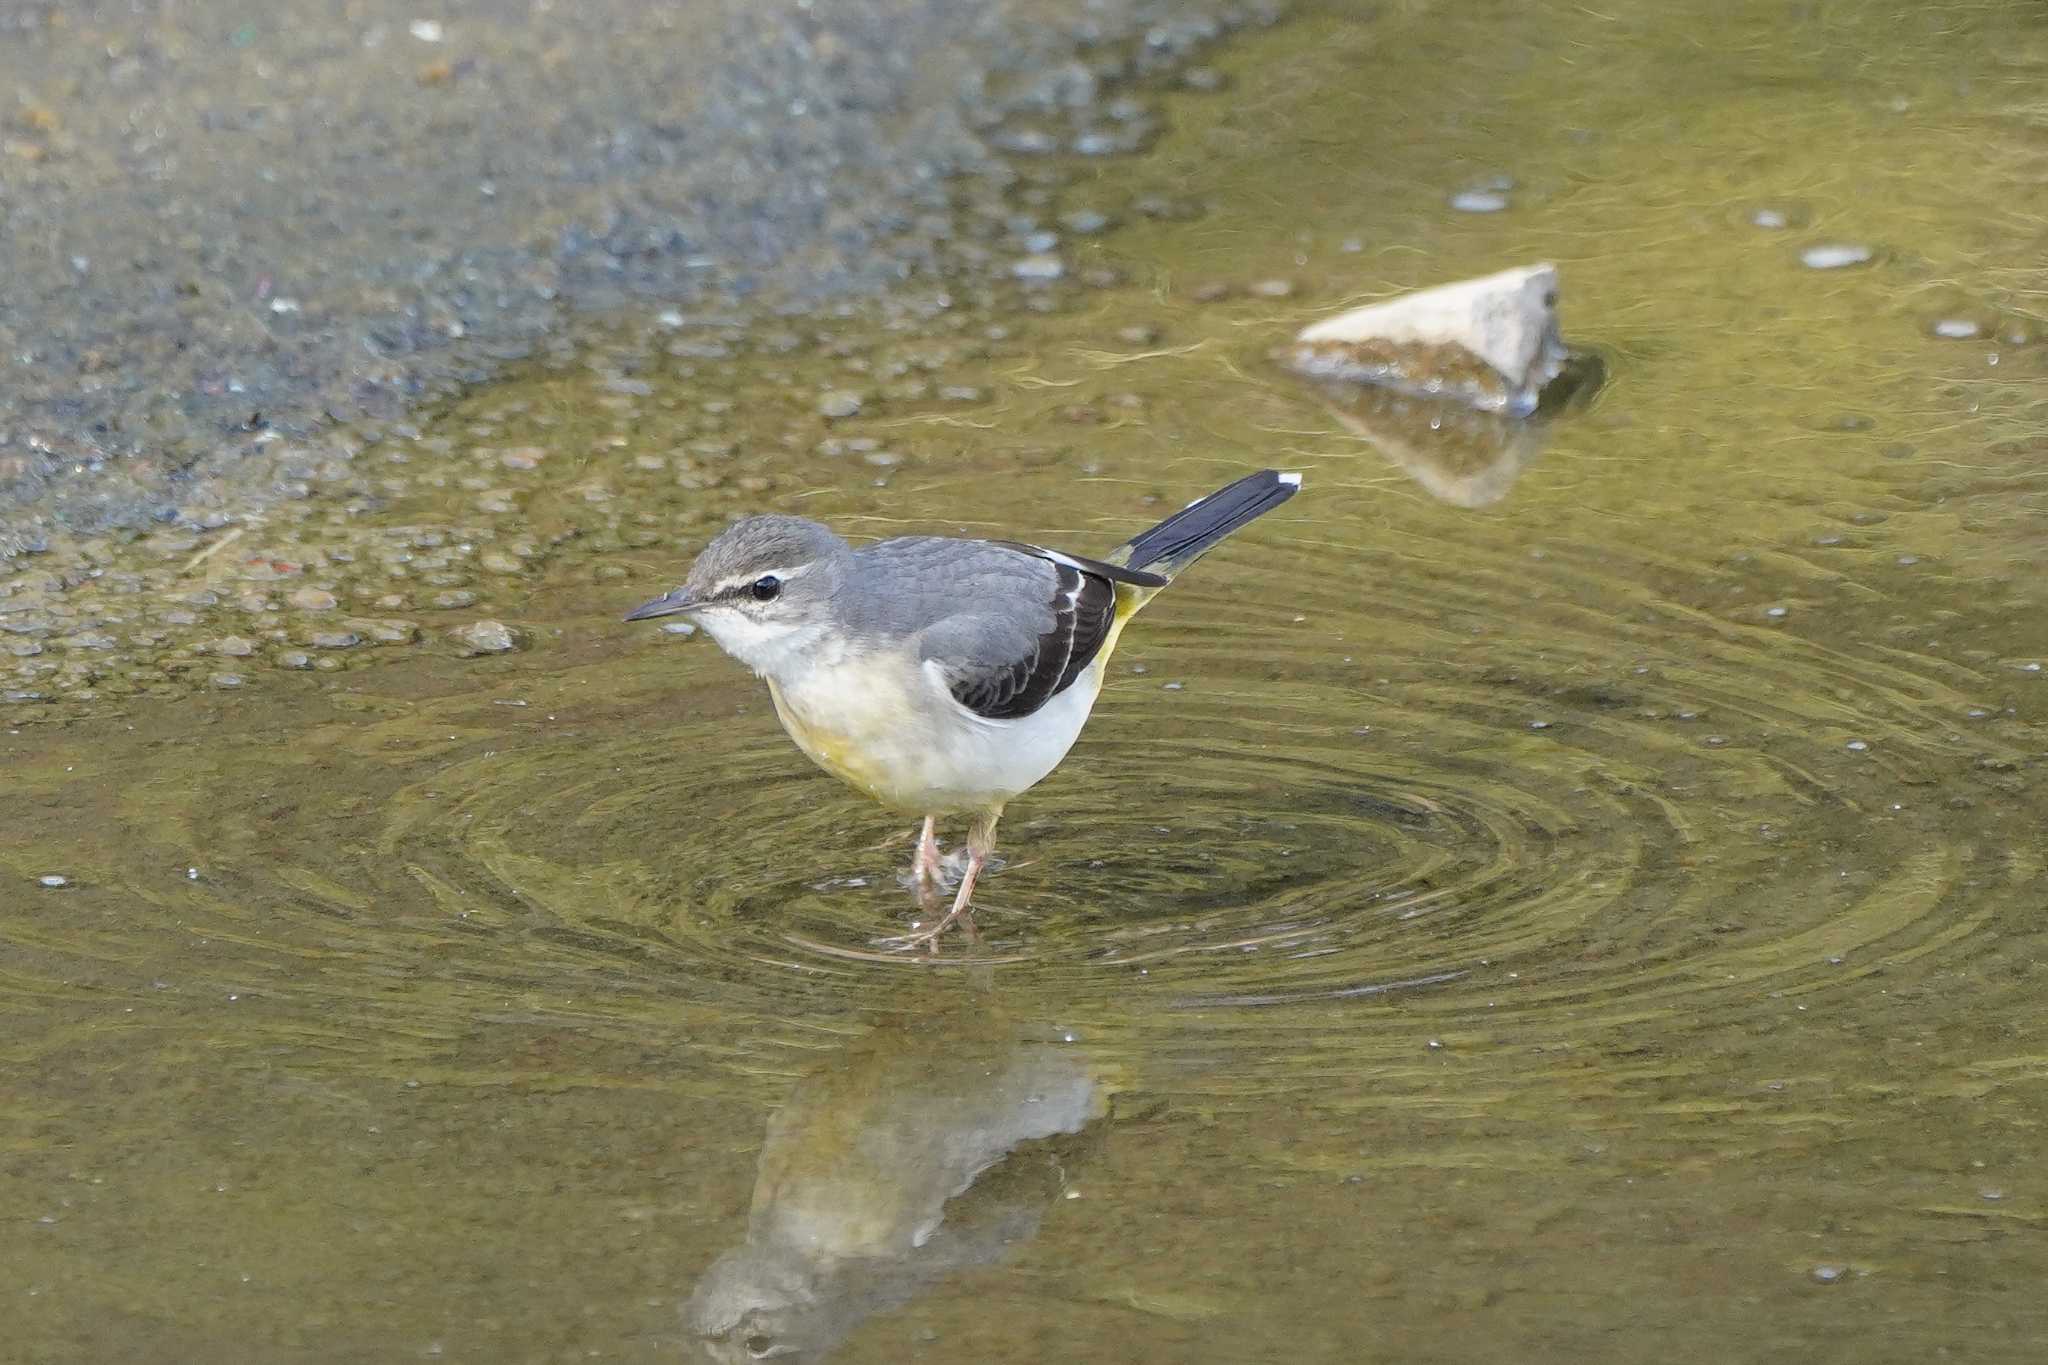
{"type": "Point", "coordinates": [763, 589]}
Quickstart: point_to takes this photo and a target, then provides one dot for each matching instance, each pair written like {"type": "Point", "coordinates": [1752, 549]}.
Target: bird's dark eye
{"type": "Point", "coordinates": [766, 588]}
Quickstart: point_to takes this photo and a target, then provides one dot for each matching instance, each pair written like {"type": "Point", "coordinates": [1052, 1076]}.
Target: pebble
{"type": "Point", "coordinates": [294, 659]}
{"type": "Point", "coordinates": [336, 639]}
{"type": "Point", "coordinates": [1138, 335]}
{"type": "Point", "coordinates": [391, 632]}
{"type": "Point", "coordinates": [1024, 141]}
{"type": "Point", "coordinates": [453, 600]}
{"type": "Point", "coordinates": [1039, 269]}
{"type": "Point", "coordinates": [1085, 222]}
{"type": "Point", "coordinates": [1828, 1274]}
{"type": "Point", "coordinates": [53, 880]}
{"type": "Point", "coordinates": [1274, 289]}
{"type": "Point", "coordinates": [1770, 220]}
{"type": "Point", "coordinates": [226, 680]}
{"type": "Point", "coordinates": [497, 561]}
{"type": "Point", "coordinates": [839, 403]}
{"type": "Point", "coordinates": [1479, 201]}
{"type": "Point", "coordinates": [312, 599]}
{"type": "Point", "coordinates": [682, 629]}
{"type": "Point", "coordinates": [234, 646]}
{"type": "Point", "coordinates": [484, 637]}
{"type": "Point", "coordinates": [1836, 256]}
{"type": "Point", "coordinates": [1956, 329]}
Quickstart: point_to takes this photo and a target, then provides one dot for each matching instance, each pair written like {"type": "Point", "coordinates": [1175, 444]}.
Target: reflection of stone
{"type": "Point", "coordinates": [1490, 342]}
{"type": "Point", "coordinates": [1458, 454]}
{"type": "Point", "coordinates": [925, 1148]}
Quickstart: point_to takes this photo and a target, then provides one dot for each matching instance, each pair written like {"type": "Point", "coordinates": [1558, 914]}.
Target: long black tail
{"type": "Point", "coordinates": [1188, 534]}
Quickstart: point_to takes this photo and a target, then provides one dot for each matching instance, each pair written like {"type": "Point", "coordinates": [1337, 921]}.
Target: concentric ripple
{"type": "Point", "coordinates": [1551, 789]}
{"type": "Point", "coordinates": [1635, 808]}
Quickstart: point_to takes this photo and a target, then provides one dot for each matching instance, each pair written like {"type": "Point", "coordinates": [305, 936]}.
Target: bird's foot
{"type": "Point", "coordinates": [928, 939]}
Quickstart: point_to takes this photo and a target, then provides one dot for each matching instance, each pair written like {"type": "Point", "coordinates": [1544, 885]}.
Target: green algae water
{"type": "Point", "coordinates": [1571, 898]}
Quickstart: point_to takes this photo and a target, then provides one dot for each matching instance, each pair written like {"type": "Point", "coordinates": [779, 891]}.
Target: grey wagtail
{"type": "Point", "coordinates": [939, 676]}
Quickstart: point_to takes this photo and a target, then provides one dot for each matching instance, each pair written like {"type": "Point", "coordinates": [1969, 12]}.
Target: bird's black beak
{"type": "Point", "coordinates": [682, 599]}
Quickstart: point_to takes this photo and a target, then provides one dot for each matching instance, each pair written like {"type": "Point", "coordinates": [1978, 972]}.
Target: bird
{"type": "Point", "coordinates": [939, 675]}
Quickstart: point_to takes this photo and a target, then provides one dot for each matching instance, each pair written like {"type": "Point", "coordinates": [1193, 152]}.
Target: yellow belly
{"type": "Point", "coordinates": [844, 756]}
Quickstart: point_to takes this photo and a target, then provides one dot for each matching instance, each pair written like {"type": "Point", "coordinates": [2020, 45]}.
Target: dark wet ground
{"type": "Point", "coordinates": [1561, 900]}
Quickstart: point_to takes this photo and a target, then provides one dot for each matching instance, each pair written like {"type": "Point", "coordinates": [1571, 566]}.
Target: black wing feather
{"type": "Point", "coordinates": [1084, 609]}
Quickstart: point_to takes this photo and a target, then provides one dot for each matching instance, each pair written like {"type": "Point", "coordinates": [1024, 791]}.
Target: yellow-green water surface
{"type": "Point", "coordinates": [1593, 914]}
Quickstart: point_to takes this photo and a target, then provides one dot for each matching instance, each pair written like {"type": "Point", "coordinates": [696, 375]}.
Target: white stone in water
{"type": "Point", "coordinates": [1491, 342]}
{"type": "Point", "coordinates": [1835, 256]}
{"type": "Point", "coordinates": [53, 880]}
{"type": "Point", "coordinates": [1478, 201]}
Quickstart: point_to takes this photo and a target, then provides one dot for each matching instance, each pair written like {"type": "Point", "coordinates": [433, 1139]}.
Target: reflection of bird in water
{"type": "Point", "coordinates": [927, 1147]}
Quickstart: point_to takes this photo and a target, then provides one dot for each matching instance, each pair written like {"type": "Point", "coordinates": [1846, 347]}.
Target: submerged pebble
{"type": "Point", "coordinates": [839, 403]}
{"type": "Point", "coordinates": [53, 880]}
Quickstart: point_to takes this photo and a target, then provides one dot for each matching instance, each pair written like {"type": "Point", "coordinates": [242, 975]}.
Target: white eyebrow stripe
{"type": "Point", "coordinates": [735, 584]}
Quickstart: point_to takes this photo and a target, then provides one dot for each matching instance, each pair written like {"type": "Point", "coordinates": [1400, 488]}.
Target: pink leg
{"type": "Point", "coordinates": [924, 868]}
{"type": "Point", "coordinates": [981, 841]}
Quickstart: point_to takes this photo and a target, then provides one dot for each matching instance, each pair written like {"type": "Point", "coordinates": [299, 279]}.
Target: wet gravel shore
{"type": "Point", "coordinates": [224, 228]}
{"type": "Point", "coordinates": [231, 446]}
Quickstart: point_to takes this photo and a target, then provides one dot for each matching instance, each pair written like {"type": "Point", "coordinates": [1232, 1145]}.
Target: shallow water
{"type": "Point", "coordinates": [1592, 914]}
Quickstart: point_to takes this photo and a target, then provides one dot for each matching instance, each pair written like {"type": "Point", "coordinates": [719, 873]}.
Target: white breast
{"type": "Point", "coordinates": [892, 728]}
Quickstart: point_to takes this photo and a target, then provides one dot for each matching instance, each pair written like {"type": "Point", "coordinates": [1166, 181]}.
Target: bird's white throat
{"type": "Point", "coordinates": [773, 649]}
